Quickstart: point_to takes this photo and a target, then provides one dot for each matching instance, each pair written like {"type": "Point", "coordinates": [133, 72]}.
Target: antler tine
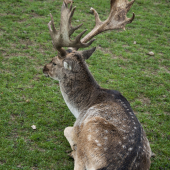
{"type": "Point", "coordinates": [97, 18]}
{"type": "Point", "coordinates": [61, 38]}
{"type": "Point", "coordinates": [129, 5]}
{"type": "Point", "coordinates": [117, 18]}
{"type": "Point", "coordinates": [52, 23]}
{"type": "Point", "coordinates": [71, 31]}
{"type": "Point", "coordinates": [53, 31]}
{"type": "Point", "coordinates": [72, 13]}
{"type": "Point", "coordinates": [77, 39]}
{"type": "Point", "coordinates": [71, 6]}
{"type": "Point", "coordinates": [129, 20]}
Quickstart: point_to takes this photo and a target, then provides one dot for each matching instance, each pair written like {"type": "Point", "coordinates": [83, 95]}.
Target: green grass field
{"type": "Point", "coordinates": [28, 98]}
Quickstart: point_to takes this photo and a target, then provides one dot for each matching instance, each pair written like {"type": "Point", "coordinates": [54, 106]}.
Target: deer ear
{"type": "Point", "coordinates": [87, 53]}
{"type": "Point", "coordinates": [67, 65]}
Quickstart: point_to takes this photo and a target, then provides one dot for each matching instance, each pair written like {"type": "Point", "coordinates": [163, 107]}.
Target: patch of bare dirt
{"type": "Point", "coordinates": [145, 101]}
{"type": "Point", "coordinates": [37, 77]}
{"type": "Point", "coordinates": [164, 69]}
{"type": "Point", "coordinates": [1, 32]}
{"type": "Point", "coordinates": [35, 15]}
{"type": "Point", "coordinates": [107, 51]}
{"type": "Point", "coordinates": [37, 148]}
{"type": "Point", "coordinates": [21, 21]}
{"type": "Point", "coordinates": [161, 54]}
{"type": "Point", "coordinates": [167, 113]}
{"type": "Point", "coordinates": [135, 112]}
{"type": "Point", "coordinates": [156, 3]}
{"type": "Point", "coordinates": [17, 52]}
{"type": "Point", "coordinates": [147, 113]}
{"type": "Point", "coordinates": [6, 55]}
{"type": "Point", "coordinates": [125, 46]}
{"type": "Point", "coordinates": [39, 68]}
{"type": "Point", "coordinates": [26, 42]}
{"type": "Point", "coordinates": [3, 14]}
{"type": "Point", "coordinates": [2, 162]}
{"type": "Point", "coordinates": [122, 58]}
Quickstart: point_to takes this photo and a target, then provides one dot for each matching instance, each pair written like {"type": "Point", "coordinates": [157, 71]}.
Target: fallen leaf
{"type": "Point", "coordinates": [134, 42]}
{"type": "Point", "coordinates": [151, 53]}
{"type": "Point", "coordinates": [33, 127]}
{"type": "Point", "coordinates": [19, 166]}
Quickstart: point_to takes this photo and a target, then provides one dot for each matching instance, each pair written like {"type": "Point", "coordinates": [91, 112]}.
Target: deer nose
{"type": "Point", "coordinates": [45, 69]}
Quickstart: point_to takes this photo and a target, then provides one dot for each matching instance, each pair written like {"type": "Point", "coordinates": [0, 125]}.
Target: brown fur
{"type": "Point", "coordinates": [106, 134]}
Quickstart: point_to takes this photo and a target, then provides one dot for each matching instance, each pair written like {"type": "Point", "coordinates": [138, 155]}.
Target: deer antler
{"type": "Point", "coordinates": [117, 18]}
{"type": "Point", "coordinates": [61, 38]}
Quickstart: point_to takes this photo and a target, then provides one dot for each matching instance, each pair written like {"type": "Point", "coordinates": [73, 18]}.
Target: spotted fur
{"type": "Point", "coordinates": [106, 135]}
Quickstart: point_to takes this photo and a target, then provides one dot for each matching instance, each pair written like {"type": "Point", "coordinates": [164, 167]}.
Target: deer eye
{"type": "Point", "coordinates": [54, 64]}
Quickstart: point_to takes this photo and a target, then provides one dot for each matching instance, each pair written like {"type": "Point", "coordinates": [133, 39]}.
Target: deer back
{"type": "Point", "coordinates": [110, 136]}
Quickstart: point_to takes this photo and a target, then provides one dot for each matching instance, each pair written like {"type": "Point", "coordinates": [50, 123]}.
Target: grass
{"type": "Point", "coordinates": [28, 98]}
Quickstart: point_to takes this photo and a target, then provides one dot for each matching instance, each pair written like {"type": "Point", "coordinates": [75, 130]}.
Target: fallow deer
{"type": "Point", "coordinates": [106, 135]}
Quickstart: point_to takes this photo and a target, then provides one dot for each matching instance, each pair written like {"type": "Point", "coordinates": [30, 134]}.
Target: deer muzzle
{"type": "Point", "coordinates": [46, 70]}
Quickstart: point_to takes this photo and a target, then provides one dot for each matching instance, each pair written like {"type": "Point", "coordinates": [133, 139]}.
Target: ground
{"type": "Point", "coordinates": [28, 98]}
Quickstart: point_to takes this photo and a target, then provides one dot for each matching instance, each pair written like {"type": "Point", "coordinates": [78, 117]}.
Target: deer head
{"type": "Point", "coordinates": [61, 38]}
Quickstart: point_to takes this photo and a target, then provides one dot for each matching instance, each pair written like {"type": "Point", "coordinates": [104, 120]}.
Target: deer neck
{"type": "Point", "coordinates": [78, 90]}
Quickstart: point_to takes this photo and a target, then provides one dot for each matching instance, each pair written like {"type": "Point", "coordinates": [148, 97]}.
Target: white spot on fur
{"type": "Point", "coordinates": [106, 131]}
{"type": "Point", "coordinates": [89, 137]}
{"type": "Point", "coordinates": [130, 149]}
{"type": "Point", "coordinates": [97, 131]}
{"type": "Point", "coordinates": [99, 144]}
{"type": "Point", "coordinates": [105, 138]}
{"type": "Point", "coordinates": [122, 130]}
{"type": "Point", "coordinates": [135, 127]}
{"type": "Point", "coordinates": [96, 141]}
{"type": "Point", "coordinates": [91, 168]}
{"type": "Point", "coordinates": [105, 149]}
{"type": "Point", "coordinates": [123, 146]}
{"type": "Point", "coordinates": [67, 66]}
